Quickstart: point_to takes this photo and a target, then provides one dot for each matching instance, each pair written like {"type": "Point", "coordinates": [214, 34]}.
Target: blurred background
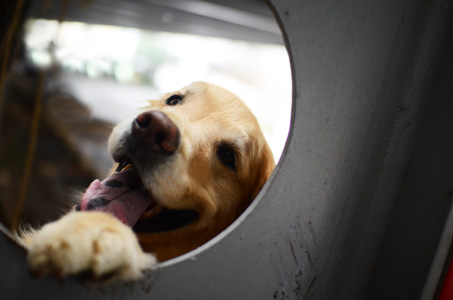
{"type": "Point", "coordinates": [70, 70]}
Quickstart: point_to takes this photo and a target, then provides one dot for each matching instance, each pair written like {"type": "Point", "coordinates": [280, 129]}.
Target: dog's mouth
{"type": "Point", "coordinates": [123, 195]}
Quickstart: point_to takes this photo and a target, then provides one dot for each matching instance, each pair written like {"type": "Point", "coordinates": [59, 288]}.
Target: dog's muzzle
{"type": "Point", "coordinates": [152, 138]}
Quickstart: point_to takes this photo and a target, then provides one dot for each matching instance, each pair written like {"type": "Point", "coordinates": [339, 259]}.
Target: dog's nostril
{"type": "Point", "coordinates": [167, 141]}
{"type": "Point", "coordinates": [143, 120]}
{"type": "Point", "coordinates": [159, 138]}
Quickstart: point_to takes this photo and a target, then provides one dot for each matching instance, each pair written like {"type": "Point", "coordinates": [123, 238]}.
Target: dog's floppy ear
{"type": "Point", "coordinates": [263, 169]}
{"type": "Point", "coordinates": [267, 166]}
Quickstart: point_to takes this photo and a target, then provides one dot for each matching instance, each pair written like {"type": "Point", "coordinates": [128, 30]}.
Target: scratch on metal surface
{"type": "Point", "coordinates": [310, 286]}
{"type": "Point", "coordinates": [310, 259]}
{"type": "Point", "coordinates": [313, 236]}
{"type": "Point", "coordinates": [293, 252]}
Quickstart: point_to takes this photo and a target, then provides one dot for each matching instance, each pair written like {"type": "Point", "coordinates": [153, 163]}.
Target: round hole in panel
{"type": "Point", "coordinates": [70, 78]}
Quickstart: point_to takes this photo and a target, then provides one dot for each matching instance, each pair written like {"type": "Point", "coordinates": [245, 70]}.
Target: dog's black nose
{"type": "Point", "coordinates": [156, 132]}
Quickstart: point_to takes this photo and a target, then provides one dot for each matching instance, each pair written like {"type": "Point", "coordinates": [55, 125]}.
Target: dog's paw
{"type": "Point", "coordinates": [87, 243]}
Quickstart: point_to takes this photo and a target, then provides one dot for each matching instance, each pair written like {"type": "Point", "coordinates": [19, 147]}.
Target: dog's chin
{"type": "Point", "coordinates": [123, 195]}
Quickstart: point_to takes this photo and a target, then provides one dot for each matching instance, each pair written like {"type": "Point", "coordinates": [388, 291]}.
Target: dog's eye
{"type": "Point", "coordinates": [227, 156]}
{"type": "Point", "coordinates": [174, 100]}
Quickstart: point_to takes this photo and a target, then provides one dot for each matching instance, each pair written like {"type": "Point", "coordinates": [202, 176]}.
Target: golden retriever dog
{"type": "Point", "coordinates": [187, 167]}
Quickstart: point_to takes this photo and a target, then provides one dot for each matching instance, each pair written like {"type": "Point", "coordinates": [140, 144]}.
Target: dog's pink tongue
{"type": "Point", "coordinates": [121, 194]}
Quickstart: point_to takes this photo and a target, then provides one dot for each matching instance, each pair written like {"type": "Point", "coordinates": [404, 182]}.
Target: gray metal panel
{"type": "Point", "coordinates": [357, 204]}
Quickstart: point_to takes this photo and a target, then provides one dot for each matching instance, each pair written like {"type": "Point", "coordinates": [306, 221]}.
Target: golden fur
{"type": "Point", "coordinates": [193, 179]}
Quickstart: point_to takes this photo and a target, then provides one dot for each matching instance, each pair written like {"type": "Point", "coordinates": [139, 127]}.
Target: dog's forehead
{"type": "Point", "coordinates": [221, 106]}
{"type": "Point", "coordinates": [198, 87]}
{"type": "Point", "coordinates": [195, 87]}
{"type": "Point", "coordinates": [212, 93]}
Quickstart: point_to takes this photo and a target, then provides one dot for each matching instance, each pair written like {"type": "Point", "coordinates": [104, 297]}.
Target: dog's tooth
{"type": "Point", "coordinates": [121, 166]}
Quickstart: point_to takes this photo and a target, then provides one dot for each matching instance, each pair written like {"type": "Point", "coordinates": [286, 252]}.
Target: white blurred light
{"type": "Point", "coordinates": [258, 73]}
{"type": "Point", "coordinates": [41, 58]}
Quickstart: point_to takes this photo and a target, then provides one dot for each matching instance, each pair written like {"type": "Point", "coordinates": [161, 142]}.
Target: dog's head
{"type": "Point", "coordinates": [187, 167]}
